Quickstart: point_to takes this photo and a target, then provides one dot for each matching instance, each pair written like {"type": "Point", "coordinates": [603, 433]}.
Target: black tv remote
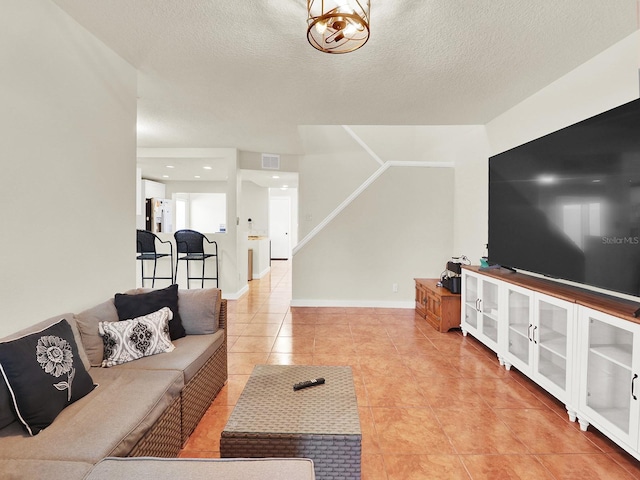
{"type": "Point", "coordinates": [308, 383]}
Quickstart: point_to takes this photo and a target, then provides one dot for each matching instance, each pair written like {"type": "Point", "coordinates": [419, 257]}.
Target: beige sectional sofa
{"type": "Point", "coordinates": [144, 408]}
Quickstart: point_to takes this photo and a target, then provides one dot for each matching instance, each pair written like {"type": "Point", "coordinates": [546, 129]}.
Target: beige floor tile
{"type": "Point", "coordinates": [505, 467]}
{"type": "Point", "coordinates": [423, 467]}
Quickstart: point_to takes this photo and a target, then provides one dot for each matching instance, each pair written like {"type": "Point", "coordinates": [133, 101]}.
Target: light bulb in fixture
{"type": "Point", "coordinates": [321, 27]}
{"type": "Point", "coordinates": [350, 29]}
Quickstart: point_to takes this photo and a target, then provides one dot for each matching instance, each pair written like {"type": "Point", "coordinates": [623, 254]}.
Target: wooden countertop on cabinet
{"type": "Point", "coordinates": [437, 305]}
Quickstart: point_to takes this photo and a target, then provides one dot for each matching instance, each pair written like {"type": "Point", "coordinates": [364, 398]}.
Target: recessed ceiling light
{"type": "Point", "coordinates": [285, 186]}
{"type": "Point", "coordinates": [165, 176]}
{"type": "Point", "coordinates": [196, 176]}
{"type": "Point", "coordinates": [170, 166]}
{"type": "Point", "coordinates": [275, 176]}
{"type": "Point", "coordinates": [207, 167]}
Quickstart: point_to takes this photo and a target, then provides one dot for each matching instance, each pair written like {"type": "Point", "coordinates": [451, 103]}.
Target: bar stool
{"type": "Point", "coordinates": [191, 244]}
{"type": "Point", "coordinates": [146, 249]}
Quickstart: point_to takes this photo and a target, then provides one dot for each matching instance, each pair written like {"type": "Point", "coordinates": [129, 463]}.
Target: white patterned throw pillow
{"type": "Point", "coordinates": [129, 340]}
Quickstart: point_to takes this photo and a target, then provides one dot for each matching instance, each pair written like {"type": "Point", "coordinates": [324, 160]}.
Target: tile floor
{"type": "Point", "coordinates": [432, 405]}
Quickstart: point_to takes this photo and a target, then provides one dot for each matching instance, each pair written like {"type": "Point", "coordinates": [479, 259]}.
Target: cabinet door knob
{"type": "Point", "coordinates": [633, 383]}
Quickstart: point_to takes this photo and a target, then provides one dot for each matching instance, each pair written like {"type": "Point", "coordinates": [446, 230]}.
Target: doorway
{"type": "Point", "coordinates": [280, 227]}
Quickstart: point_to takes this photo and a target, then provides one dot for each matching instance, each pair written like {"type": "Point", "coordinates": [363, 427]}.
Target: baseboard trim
{"type": "Point", "coordinates": [351, 303]}
{"type": "Point", "coordinates": [237, 295]}
{"type": "Point", "coordinates": [262, 273]}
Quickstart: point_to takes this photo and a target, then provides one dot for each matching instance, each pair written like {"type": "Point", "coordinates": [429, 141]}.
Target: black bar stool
{"type": "Point", "coordinates": [146, 249]}
{"type": "Point", "coordinates": [191, 244]}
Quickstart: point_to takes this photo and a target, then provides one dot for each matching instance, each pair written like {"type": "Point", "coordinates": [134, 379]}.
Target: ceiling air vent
{"type": "Point", "coordinates": [270, 161]}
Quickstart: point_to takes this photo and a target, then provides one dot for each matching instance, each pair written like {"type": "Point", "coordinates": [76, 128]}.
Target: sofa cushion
{"type": "Point", "coordinates": [200, 310]}
{"type": "Point", "coordinates": [129, 340]}
{"type": "Point", "coordinates": [25, 469]}
{"type": "Point", "coordinates": [87, 322]}
{"type": "Point", "coordinates": [204, 469]}
{"type": "Point", "coordinates": [44, 373]}
{"type": "Point", "coordinates": [108, 422]}
{"type": "Point", "coordinates": [136, 305]}
{"type": "Point", "coordinates": [7, 414]}
{"type": "Point", "coordinates": [190, 354]}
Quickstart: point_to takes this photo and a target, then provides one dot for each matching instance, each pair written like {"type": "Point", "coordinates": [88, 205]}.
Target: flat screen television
{"type": "Point", "coordinates": [567, 205]}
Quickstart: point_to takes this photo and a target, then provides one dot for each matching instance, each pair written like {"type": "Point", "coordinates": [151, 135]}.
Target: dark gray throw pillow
{"type": "Point", "coordinates": [44, 374]}
{"type": "Point", "coordinates": [138, 305]}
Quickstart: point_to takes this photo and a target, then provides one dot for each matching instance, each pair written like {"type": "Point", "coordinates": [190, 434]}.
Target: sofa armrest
{"type": "Point", "coordinates": [222, 318]}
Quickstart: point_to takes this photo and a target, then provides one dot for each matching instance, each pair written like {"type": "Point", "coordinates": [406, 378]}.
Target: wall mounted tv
{"type": "Point", "coordinates": [567, 205]}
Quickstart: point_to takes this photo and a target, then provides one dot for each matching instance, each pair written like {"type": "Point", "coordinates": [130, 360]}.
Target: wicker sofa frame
{"type": "Point", "coordinates": [170, 432]}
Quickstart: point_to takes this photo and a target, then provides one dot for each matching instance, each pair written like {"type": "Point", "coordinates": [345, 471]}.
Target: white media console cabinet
{"type": "Point", "coordinates": [580, 346]}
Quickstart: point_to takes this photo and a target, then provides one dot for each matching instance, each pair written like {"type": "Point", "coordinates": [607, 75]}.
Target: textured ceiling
{"type": "Point", "coordinates": [220, 73]}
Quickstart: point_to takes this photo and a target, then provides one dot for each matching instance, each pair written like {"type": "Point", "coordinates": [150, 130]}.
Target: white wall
{"type": "Point", "coordinates": [254, 205]}
{"type": "Point", "coordinates": [397, 229]}
{"type": "Point", "coordinates": [328, 177]}
{"type": "Point", "coordinates": [67, 153]}
{"type": "Point", "coordinates": [359, 151]}
{"type": "Point", "coordinates": [604, 82]}
{"type": "Point", "coordinates": [471, 202]}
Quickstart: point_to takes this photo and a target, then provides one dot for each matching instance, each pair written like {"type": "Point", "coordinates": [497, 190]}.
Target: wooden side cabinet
{"type": "Point", "coordinates": [437, 305]}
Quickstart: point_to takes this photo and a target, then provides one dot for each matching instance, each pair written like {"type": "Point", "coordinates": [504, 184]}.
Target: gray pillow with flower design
{"type": "Point", "coordinates": [129, 340]}
{"type": "Point", "coordinates": [44, 373]}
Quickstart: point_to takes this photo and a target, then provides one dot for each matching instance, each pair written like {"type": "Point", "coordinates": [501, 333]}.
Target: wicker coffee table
{"type": "Point", "coordinates": [320, 422]}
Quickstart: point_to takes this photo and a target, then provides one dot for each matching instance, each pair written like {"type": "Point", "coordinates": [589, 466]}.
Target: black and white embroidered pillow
{"type": "Point", "coordinates": [129, 340]}
{"type": "Point", "coordinates": [44, 373]}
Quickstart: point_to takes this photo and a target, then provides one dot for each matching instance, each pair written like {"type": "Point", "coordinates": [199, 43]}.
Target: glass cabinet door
{"type": "Point", "coordinates": [610, 383]}
{"type": "Point", "coordinates": [519, 319]}
{"type": "Point", "coordinates": [471, 300]}
{"type": "Point", "coordinates": [550, 337]}
{"type": "Point", "coordinates": [489, 308]}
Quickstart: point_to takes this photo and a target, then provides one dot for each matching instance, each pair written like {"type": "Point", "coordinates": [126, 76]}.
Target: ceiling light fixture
{"type": "Point", "coordinates": [207, 167]}
{"type": "Point", "coordinates": [338, 26]}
